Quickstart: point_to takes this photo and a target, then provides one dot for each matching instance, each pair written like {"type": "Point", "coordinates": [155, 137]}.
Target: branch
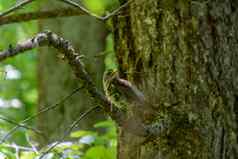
{"type": "Point", "coordinates": [23, 17]}
{"type": "Point", "coordinates": [50, 39]}
{"type": "Point", "coordinates": [5, 137]}
{"type": "Point", "coordinates": [132, 125]}
{"type": "Point", "coordinates": [16, 7]}
{"type": "Point", "coordinates": [21, 125]}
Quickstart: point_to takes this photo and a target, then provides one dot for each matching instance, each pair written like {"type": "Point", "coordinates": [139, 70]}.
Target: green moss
{"type": "Point", "coordinates": [168, 4]}
{"type": "Point", "coordinates": [194, 23]}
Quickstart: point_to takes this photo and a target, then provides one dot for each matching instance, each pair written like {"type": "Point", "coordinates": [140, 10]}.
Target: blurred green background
{"type": "Point", "coordinates": [18, 93]}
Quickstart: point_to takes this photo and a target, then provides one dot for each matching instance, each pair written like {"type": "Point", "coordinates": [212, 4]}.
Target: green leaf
{"type": "Point", "coordinates": [27, 155]}
{"type": "Point", "coordinates": [81, 133]}
{"type": "Point", "coordinates": [100, 152]}
{"type": "Point", "coordinates": [104, 124]}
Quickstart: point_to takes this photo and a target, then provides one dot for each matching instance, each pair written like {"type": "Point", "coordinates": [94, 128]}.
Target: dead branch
{"type": "Point", "coordinates": [74, 59]}
{"type": "Point", "coordinates": [45, 109]}
{"type": "Point", "coordinates": [51, 39]}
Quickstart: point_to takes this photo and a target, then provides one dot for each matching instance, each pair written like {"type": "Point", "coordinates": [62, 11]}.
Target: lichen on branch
{"type": "Point", "coordinates": [48, 38]}
{"type": "Point", "coordinates": [132, 124]}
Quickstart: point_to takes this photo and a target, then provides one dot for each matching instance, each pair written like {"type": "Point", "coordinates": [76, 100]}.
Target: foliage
{"type": "Point", "coordinates": [99, 144]}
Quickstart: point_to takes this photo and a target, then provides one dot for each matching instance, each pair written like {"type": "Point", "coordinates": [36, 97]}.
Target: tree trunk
{"type": "Point", "coordinates": [183, 56]}
{"type": "Point", "coordinates": [56, 80]}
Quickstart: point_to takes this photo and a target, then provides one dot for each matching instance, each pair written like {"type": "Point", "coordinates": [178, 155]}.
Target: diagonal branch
{"type": "Point", "coordinates": [133, 125]}
{"type": "Point", "coordinates": [4, 19]}
{"type": "Point", "coordinates": [50, 39]}
{"type": "Point", "coordinates": [23, 17]}
{"type": "Point", "coordinates": [16, 7]}
{"type": "Point", "coordinates": [20, 125]}
{"type": "Point", "coordinates": [5, 137]}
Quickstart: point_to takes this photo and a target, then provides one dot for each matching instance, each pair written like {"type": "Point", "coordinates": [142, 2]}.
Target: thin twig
{"type": "Point", "coordinates": [73, 125]}
{"type": "Point", "coordinates": [40, 112]}
{"type": "Point", "coordinates": [116, 11]}
{"type": "Point", "coordinates": [20, 125]}
{"type": "Point", "coordinates": [74, 4]}
{"type": "Point", "coordinates": [103, 18]}
{"type": "Point", "coordinates": [16, 7]}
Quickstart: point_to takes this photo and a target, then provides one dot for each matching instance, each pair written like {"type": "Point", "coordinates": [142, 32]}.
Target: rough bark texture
{"type": "Point", "coordinates": [56, 79]}
{"type": "Point", "coordinates": [183, 56]}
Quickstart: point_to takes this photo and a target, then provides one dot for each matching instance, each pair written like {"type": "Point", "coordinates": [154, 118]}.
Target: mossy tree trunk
{"type": "Point", "coordinates": [56, 80]}
{"type": "Point", "coordinates": [183, 55]}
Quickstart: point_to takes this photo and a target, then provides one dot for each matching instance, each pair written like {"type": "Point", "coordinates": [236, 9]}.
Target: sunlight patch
{"type": "Point", "coordinates": [11, 72]}
{"type": "Point", "coordinates": [13, 103]}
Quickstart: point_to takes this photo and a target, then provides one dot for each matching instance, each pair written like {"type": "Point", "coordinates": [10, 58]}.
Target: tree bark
{"type": "Point", "coordinates": [56, 79]}
{"type": "Point", "coordinates": [183, 56]}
